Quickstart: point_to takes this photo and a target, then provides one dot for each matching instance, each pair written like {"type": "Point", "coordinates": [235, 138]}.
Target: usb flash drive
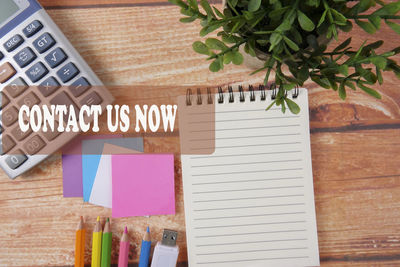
{"type": "Point", "coordinates": [166, 252]}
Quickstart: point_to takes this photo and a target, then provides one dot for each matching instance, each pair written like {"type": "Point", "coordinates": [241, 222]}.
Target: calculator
{"type": "Point", "coordinates": [38, 66]}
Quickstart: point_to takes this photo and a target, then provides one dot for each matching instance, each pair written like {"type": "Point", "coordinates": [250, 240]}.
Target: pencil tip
{"type": "Point", "coordinates": [126, 230]}
{"type": "Point", "coordinates": [148, 229]}
{"type": "Point", "coordinates": [98, 218]}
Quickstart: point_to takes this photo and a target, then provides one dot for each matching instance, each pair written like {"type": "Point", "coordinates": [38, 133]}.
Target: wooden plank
{"type": "Point", "coordinates": [356, 191]}
{"type": "Point", "coordinates": [354, 147]}
{"type": "Point", "coordinates": [98, 3]}
{"type": "Point", "coordinates": [63, 4]}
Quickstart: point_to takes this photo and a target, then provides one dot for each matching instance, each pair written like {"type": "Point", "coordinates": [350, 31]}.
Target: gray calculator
{"type": "Point", "coordinates": [38, 65]}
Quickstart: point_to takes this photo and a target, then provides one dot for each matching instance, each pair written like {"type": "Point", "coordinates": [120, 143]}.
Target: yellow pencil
{"type": "Point", "coordinates": [96, 244]}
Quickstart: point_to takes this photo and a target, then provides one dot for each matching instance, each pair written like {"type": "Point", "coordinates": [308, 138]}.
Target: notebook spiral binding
{"type": "Point", "coordinates": [231, 97]}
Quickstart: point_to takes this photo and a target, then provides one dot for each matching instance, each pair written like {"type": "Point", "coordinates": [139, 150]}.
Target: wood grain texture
{"type": "Point", "coordinates": [62, 4]}
{"type": "Point", "coordinates": [354, 143]}
{"type": "Point", "coordinates": [91, 3]}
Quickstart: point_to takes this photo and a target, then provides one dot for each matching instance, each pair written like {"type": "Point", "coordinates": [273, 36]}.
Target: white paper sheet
{"type": "Point", "coordinates": [101, 194]}
{"type": "Point", "coordinates": [251, 202]}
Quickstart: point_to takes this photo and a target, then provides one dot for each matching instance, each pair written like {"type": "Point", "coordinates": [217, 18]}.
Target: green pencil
{"type": "Point", "coordinates": [106, 245]}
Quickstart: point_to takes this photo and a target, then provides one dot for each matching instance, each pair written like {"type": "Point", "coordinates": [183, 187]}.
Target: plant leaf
{"type": "Point", "coordinates": [207, 8]}
{"type": "Point", "coordinates": [344, 69]}
{"type": "Point", "coordinates": [343, 45]}
{"type": "Point", "coordinates": [305, 23]}
{"type": "Point", "coordinates": [376, 21]}
{"type": "Point", "coordinates": [394, 26]}
{"type": "Point", "coordinates": [348, 27]}
{"type": "Point", "coordinates": [389, 9]}
{"type": "Point", "coordinates": [188, 19]}
{"type": "Point", "coordinates": [200, 48]}
{"type": "Point", "coordinates": [339, 18]}
{"type": "Point", "coordinates": [379, 75]}
{"type": "Point", "coordinates": [378, 61]}
{"type": "Point", "coordinates": [214, 66]}
{"type": "Point", "coordinates": [237, 58]}
{"type": "Point", "coordinates": [221, 62]}
{"type": "Point", "coordinates": [366, 26]}
{"type": "Point", "coordinates": [277, 13]}
{"type": "Point", "coordinates": [274, 40]}
{"type": "Point", "coordinates": [213, 43]}
{"type": "Point", "coordinates": [179, 3]}
{"type": "Point", "coordinates": [219, 14]}
{"type": "Point", "coordinates": [248, 15]}
{"type": "Point", "coordinates": [290, 43]}
{"type": "Point", "coordinates": [233, 2]}
{"type": "Point", "coordinates": [322, 19]}
{"type": "Point", "coordinates": [374, 45]}
{"type": "Point", "coordinates": [193, 4]}
{"type": "Point", "coordinates": [270, 105]}
{"type": "Point", "coordinates": [369, 91]}
{"type": "Point", "coordinates": [283, 107]}
{"type": "Point", "coordinates": [254, 5]}
{"type": "Point", "coordinates": [350, 84]}
{"type": "Point", "coordinates": [324, 82]}
{"type": "Point", "coordinates": [208, 29]}
{"type": "Point", "coordinates": [293, 107]}
{"type": "Point", "coordinates": [228, 57]}
{"type": "Point", "coordinates": [342, 91]}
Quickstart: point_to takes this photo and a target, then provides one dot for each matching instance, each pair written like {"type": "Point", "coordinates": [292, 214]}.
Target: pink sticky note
{"type": "Point", "coordinates": [143, 184]}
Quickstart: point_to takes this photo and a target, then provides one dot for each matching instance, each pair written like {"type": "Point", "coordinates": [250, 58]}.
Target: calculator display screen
{"type": "Point", "coordinates": [8, 8]}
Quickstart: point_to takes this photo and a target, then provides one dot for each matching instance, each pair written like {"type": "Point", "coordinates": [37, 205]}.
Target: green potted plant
{"type": "Point", "coordinates": [291, 37]}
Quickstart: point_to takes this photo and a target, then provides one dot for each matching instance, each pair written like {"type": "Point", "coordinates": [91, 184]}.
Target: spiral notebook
{"type": "Point", "coordinates": [251, 201]}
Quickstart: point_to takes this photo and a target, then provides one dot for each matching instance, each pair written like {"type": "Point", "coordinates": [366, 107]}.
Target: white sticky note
{"type": "Point", "coordinates": [101, 194]}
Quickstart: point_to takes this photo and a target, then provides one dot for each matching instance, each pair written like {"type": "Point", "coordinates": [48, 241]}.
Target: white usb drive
{"type": "Point", "coordinates": [166, 252]}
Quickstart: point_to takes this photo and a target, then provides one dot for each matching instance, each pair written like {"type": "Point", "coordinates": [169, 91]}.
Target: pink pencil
{"type": "Point", "coordinates": [124, 249]}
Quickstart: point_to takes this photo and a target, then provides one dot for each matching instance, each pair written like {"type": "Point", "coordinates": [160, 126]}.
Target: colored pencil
{"type": "Point", "coordinates": [124, 249]}
{"type": "Point", "coordinates": [145, 249]}
{"type": "Point", "coordinates": [80, 245]}
{"type": "Point", "coordinates": [106, 245]}
{"type": "Point", "coordinates": [96, 244]}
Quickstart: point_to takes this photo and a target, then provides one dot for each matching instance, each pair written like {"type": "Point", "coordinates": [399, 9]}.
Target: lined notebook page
{"type": "Point", "coordinates": [251, 202]}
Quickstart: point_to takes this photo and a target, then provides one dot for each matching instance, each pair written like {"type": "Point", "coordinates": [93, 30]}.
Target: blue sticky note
{"type": "Point", "coordinates": [91, 154]}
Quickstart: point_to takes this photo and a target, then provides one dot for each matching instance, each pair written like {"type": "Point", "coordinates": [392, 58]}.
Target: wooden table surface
{"type": "Point", "coordinates": [355, 144]}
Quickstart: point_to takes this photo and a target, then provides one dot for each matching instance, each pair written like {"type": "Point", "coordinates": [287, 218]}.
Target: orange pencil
{"type": "Point", "coordinates": [80, 245]}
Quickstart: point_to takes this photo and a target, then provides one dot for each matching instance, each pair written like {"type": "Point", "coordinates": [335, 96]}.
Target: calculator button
{"type": "Point", "coordinates": [6, 72]}
{"type": "Point", "coordinates": [79, 86]}
{"type": "Point", "coordinates": [44, 42]}
{"type": "Point", "coordinates": [56, 57]}
{"type": "Point", "coordinates": [34, 145]}
{"type": "Point", "coordinates": [9, 116]}
{"type": "Point", "coordinates": [91, 99]}
{"type": "Point", "coordinates": [24, 57]}
{"type": "Point", "coordinates": [14, 161]}
{"type": "Point", "coordinates": [1, 56]}
{"type": "Point", "coordinates": [63, 99]}
{"type": "Point", "coordinates": [13, 42]}
{"type": "Point", "coordinates": [4, 100]}
{"type": "Point", "coordinates": [6, 144]}
{"type": "Point", "coordinates": [68, 72]}
{"type": "Point", "coordinates": [16, 87]}
{"type": "Point", "coordinates": [29, 99]}
{"type": "Point", "coordinates": [37, 72]}
{"type": "Point", "coordinates": [49, 86]}
{"type": "Point", "coordinates": [32, 28]}
{"type": "Point", "coordinates": [20, 135]}
{"type": "Point", "coordinates": [51, 135]}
